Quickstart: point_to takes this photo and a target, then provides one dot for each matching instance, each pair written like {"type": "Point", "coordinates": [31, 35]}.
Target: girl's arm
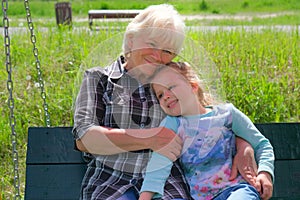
{"type": "Point", "coordinates": [158, 168]}
{"type": "Point", "coordinates": [263, 151]}
{"type": "Point", "coordinates": [243, 127]}
{"type": "Point", "coordinates": [157, 172]}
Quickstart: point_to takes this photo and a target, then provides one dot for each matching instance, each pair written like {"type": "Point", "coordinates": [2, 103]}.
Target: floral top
{"type": "Point", "coordinates": [209, 147]}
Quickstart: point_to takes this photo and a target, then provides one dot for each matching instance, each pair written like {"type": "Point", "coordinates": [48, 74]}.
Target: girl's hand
{"type": "Point", "coordinates": [146, 196]}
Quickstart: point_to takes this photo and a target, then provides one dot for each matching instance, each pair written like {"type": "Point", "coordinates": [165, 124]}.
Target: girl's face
{"type": "Point", "coordinates": [175, 94]}
{"type": "Point", "coordinates": [146, 54]}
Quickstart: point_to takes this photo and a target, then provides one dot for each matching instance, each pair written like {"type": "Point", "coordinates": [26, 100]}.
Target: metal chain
{"type": "Point", "coordinates": [37, 63]}
{"type": "Point", "coordinates": [11, 105]}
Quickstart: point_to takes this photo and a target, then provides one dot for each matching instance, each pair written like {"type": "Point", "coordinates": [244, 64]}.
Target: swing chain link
{"type": "Point", "coordinates": [37, 63]}
{"type": "Point", "coordinates": [11, 105]}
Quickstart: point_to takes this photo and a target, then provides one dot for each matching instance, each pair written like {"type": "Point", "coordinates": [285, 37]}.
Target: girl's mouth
{"type": "Point", "coordinates": [172, 103]}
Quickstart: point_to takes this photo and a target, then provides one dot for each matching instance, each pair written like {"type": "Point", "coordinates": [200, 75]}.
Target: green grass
{"type": "Point", "coordinates": [259, 69]}
{"type": "Point", "coordinates": [284, 11]}
{"type": "Point", "coordinates": [41, 8]}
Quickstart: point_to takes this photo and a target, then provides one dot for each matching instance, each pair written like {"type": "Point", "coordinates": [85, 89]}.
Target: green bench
{"type": "Point", "coordinates": [54, 170]}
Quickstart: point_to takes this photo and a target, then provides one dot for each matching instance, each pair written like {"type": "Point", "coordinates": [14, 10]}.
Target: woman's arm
{"type": "Point", "coordinates": [244, 162]}
{"type": "Point", "coordinates": [106, 141]}
{"type": "Point", "coordinates": [91, 137]}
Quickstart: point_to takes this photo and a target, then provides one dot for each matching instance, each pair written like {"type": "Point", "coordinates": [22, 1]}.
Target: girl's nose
{"type": "Point", "coordinates": [167, 94]}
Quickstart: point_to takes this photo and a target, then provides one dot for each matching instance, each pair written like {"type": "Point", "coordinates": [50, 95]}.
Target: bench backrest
{"type": "Point", "coordinates": [106, 14]}
{"type": "Point", "coordinates": [54, 170]}
{"type": "Point", "coordinates": [110, 14]}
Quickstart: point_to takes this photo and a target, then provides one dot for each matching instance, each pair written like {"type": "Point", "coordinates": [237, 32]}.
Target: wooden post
{"type": "Point", "coordinates": [63, 13]}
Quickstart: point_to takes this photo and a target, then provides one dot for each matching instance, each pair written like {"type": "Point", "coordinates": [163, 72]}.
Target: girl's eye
{"type": "Point", "coordinates": [159, 96]}
{"type": "Point", "coordinates": [171, 87]}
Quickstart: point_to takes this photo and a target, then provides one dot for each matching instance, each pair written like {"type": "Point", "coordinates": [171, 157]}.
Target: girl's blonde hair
{"type": "Point", "coordinates": [191, 77]}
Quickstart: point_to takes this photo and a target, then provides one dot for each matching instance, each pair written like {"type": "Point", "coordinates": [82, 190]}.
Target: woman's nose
{"type": "Point", "coordinates": [157, 53]}
{"type": "Point", "coordinates": [162, 57]}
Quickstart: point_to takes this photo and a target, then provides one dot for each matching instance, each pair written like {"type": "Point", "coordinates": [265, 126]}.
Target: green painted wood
{"type": "Point", "coordinates": [54, 181]}
{"type": "Point", "coordinates": [54, 169]}
{"type": "Point", "coordinates": [287, 179]}
{"type": "Point", "coordinates": [51, 145]}
{"type": "Point", "coordinates": [285, 138]}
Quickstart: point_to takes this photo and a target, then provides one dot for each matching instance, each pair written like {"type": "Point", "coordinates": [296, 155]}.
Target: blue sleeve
{"type": "Point", "coordinates": [159, 166]}
{"type": "Point", "coordinates": [243, 127]}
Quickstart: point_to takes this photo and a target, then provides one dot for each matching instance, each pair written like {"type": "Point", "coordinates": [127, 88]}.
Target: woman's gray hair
{"type": "Point", "coordinates": [157, 21]}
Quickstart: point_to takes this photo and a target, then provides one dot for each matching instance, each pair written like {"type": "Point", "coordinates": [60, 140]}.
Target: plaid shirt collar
{"type": "Point", "coordinates": [116, 70]}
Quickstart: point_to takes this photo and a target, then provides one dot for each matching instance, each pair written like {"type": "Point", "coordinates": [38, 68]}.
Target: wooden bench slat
{"type": "Point", "coordinates": [285, 138]}
{"type": "Point", "coordinates": [55, 182]}
{"type": "Point", "coordinates": [287, 179]}
{"type": "Point", "coordinates": [51, 145]}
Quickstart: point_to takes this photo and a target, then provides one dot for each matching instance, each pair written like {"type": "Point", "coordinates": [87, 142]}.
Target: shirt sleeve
{"type": "Point", "coordinates": [159, 166]}
{"type": "Point", "coordinates": [88, 103]}
{"type": "Point", "coordinates": [243, 127]}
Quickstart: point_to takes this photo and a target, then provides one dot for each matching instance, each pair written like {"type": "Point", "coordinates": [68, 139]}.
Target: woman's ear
{"type": "Point", "coordinates": [130, 41]}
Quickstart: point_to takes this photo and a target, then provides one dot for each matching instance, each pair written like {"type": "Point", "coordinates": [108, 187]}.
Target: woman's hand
{"type": "Point", "coordinates": [265, 184]}
{"type": "Point", "coordinates": [167, 143]}
{"type": "Point", "coordinates": [244, 163]}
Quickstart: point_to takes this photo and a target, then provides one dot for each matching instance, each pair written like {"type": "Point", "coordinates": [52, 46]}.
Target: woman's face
{"type": "Point", "coordinates": [146, 54]}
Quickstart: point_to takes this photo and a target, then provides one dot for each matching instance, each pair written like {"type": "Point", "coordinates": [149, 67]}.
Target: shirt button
{"type": "Point", "coordinates": [133, 181]}
{"type": "Point", "coordinates": [142, 125]}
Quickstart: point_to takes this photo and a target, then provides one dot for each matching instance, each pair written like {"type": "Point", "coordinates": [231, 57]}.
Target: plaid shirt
{"type": "Point", "coordinates": [110, 97]}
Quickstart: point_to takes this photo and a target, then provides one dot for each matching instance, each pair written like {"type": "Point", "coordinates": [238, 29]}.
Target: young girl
{"type": "Point", "coordinates": [208, 133]}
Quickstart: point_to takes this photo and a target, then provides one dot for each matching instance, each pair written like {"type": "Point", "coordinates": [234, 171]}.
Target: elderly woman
{"type": "Point", "coordinates": [117, 115]}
